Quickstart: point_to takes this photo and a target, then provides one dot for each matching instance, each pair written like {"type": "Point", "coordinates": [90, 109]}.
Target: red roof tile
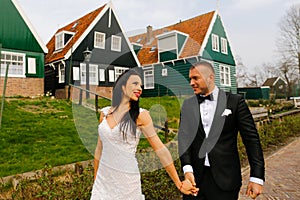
{"type": "Point", "coordinates": [82, 24]}
{"type": "Point", "coordinates": [196, 28]}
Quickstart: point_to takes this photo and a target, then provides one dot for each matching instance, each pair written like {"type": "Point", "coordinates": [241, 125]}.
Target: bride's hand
{"type": "Point", "coordinates": [187, 188]}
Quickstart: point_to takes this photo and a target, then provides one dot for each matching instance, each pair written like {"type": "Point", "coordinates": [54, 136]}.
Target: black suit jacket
{"type": "Point", "coordinates": [221, 143]}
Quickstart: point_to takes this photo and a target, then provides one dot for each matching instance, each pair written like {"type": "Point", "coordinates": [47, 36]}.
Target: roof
{"type": "Point", "coordinates": [271, 81]}
{"type": "Point", "coordinates": [30, 26]}
{"type": "Point", "coordinates": [196, 28]}
{"type": "Point", "coordinates": [78, 27]}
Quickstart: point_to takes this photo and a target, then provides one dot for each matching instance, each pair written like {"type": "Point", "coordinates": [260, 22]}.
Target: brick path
{"type": "Point", "coordinates": [282, 175]}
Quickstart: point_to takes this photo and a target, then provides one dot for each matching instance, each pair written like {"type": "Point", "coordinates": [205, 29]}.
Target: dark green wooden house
{"type": "Point", "coordinates": [167, 54]}
{"type": "Point", "coordinates": [111, 53]}
{"type": "Point", "coordinates": [21, 49]}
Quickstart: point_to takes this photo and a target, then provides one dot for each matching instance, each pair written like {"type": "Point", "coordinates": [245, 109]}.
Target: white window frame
{"type": "Point", "coordinates": [149, 78]}
{"type": "Point", "coordinates": [31, 65]}
{"type": "Point", "coordinates": [224, 47]}
{"type": "Point", "coordinates": [59, 41]}
{"type": "Point", "coordinates": [61, 73]}
{"type": "Point", "coordinates": [102, 75]}
{"type": "Point", "coordinates": [93, 74]}
{"type": "Point", "coordinates": [116, 42]}
{"type": "Point", "coordinates": [215, 42]}
{"type": "Point", "coordinates": [17, 64]}
{"type": "Point", "coordinates": [111, 75]}
{"type": "Point", "coordinates": [99, 40]}
{"type": "Point", "coordinates": [82, 73]}
{"type": "Point", "coordinates": [225, 75]}
{"type": "Point", "coordinates": [119, 71]}
{"type": "Point", "coordinates": [76, 73]}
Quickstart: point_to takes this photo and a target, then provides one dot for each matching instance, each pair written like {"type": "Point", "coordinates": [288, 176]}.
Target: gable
{"type": "Point", "coordinates": [218, 30]}
{"type": "Point", "coordinates": [15, 30]}
{"type": "Point", "coordinates": [102, 22]}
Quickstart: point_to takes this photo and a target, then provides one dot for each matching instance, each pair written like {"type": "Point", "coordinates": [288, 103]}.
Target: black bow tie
{"type": "Point", "coordinates": [202, 98]}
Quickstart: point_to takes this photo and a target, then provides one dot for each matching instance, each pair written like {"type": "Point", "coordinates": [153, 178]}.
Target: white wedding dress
{"type": "Point", "coordinates": [118, 175]}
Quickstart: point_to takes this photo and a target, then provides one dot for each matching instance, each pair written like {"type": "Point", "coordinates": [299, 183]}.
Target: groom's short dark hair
{"type": "Point", "coordinates": [203, 63]}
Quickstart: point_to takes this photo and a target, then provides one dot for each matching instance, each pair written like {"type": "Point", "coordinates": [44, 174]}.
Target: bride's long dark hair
{"type": "Point", "coordinates": [128, 121]}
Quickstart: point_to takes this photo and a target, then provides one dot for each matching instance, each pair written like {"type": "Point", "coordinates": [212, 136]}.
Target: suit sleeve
{"type": "Point", "coordinates": [184, 145]}
{"type": "Point", "coordinates": [250, 139]}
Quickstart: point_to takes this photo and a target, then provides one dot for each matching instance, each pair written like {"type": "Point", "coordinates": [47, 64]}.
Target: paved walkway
{"type": "Point", "coordinates": [282, 175]}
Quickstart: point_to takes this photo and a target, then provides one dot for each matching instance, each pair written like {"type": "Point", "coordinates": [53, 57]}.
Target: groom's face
{"type": "Point", "coordinates": [199, 81]}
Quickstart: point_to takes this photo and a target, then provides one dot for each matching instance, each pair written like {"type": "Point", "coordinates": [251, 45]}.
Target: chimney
{"type": "Point", "coordinates": [149, 34]}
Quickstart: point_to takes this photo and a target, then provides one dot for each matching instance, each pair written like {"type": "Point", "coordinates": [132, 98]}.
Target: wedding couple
{"type": "Point", "coordinates": [209, 124]}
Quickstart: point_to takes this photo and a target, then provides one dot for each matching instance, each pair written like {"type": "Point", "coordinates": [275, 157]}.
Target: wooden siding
{"type": "Point", "coordinates": [14, 33]}
{"type": "Point", "coordinates": [177, 81]}
{"type": "Point", "coordinates": [168, 55]}
{"type": "Point", "coordinates": [208, 53]}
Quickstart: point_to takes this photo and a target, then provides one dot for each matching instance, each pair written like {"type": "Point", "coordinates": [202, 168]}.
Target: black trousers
{"type": "Point", "coordinates": [209, 190]}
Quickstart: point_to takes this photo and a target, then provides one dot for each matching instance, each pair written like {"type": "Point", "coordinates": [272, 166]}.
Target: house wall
{"type": "Point", "coordinates": [177, 81]}
{"type": "Point", "coordinates": [26, 87]}
{"type": "Point", "coordinates": [208, 53]}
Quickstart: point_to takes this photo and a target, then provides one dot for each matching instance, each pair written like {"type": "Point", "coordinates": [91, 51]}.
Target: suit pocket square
{"type": "Point", "coordinates": [226, 112]}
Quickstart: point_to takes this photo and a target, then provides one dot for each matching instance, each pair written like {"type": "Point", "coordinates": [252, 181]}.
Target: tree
{"type": "Point", "coordinates": [290, 76]}
{"type": "Point", "coordinates": [243, 75]}
{"type": "Point", "coordinates": [289, 48]}
{"type": "Point", "coordinates": [289, 41]}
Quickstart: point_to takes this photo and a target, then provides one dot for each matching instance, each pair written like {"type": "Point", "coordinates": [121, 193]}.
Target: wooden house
{"type": "Point", "coordinates": [101, 33]}
{"type": "Point", "coordinates": [278, 87]}
{"type": "Point", "coordinates": [166, 54]}
{"type": "Point", "coordinates": [22, 51]}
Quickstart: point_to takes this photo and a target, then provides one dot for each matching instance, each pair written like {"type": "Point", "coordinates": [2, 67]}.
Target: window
{"type": "Point", "coordinates": [215, 42]}
{"type": "Point", "coordinates": [31, 65]}
{"type": "Point", "coordinates": [82, 73]}
{"type": "Point", "coordinates": [76, 73]}
{"type": "Point", "coordinates": [225, 75]}
{"type": "Point", "coordinates": [61, 73]}
{"type": "Point", "coordinates": [59, 41]}
{"type": "Point", "coordinates": [164, 72]}
{"type": "Point", "coordinates": [99, 40]}
{"type": "Point", "coordinates": [16, 62]}
{"type": "Point", "coordinates": [119, 71]}
{"type": "Point", "coordinates": [93, 74]}
{"type": "Point", "coordinates": [116, 43]}
{"type": "Point", "coordinates": [149, 78]}
{"type": "Point", "coordinates": [111, 75]}
{"type": "Point", "coordinates": [102, 75]}
{"type": "Point", "coordinates": [224, 46]}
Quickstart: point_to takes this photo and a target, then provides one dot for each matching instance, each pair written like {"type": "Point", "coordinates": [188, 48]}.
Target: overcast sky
{"type": "Point", "coordinates": [251, 25]}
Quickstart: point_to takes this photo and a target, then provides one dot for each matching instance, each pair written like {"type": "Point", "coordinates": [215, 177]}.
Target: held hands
{"type": "Point", "coordinates": [187, 188]}
{"type": "Point", "coordinates": [253, 190]}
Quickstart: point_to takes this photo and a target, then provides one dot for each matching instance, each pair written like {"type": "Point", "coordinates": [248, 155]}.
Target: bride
{"type": "Point", "coordinates": [116, 173]}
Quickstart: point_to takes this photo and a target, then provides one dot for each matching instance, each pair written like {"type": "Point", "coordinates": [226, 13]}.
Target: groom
{"type": "Point", "coordinates": [209, 125]}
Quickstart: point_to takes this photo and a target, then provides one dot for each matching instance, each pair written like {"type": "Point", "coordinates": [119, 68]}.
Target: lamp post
{"type": "Point", "coordinates": [87, 57]}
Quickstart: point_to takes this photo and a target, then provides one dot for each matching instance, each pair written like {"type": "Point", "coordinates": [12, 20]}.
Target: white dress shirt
{"type": "Point", "coordinates": [207, 110]}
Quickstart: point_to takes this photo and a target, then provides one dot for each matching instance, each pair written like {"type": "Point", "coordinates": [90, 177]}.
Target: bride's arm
{"type": "Point", "coordinates": [98, 151]}
{"type": "Point", "coordinates": [97, 156]}
{"type": "Point", "coordinates": [145, 123]}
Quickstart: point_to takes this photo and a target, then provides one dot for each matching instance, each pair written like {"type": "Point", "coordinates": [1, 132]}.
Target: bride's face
{"type": "Point", "coordinates": [133, 88]}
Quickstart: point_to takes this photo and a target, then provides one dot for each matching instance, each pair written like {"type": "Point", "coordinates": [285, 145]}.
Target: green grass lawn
{"type": "Point", "coordinates": [43, 131]}
{"type": "Point", "coordinates": [38, 132]}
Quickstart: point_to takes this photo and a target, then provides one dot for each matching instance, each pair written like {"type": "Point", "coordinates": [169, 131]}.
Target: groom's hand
{"type": "Point", "coordinates": [254, 189]}
{"type": "Point", "coordinates": [190, 176]}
